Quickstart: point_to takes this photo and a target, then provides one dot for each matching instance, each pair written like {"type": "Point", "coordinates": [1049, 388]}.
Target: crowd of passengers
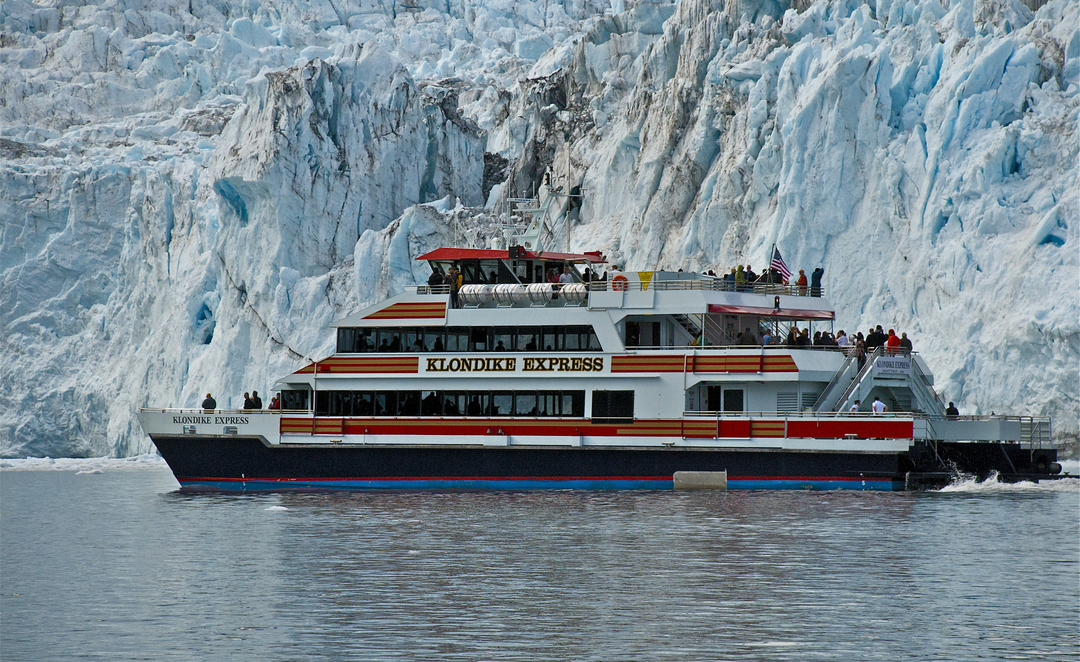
{"type": "Point", "coordinates": [743, 279]}
{"type": "Point", "coordinates": [874, 338]}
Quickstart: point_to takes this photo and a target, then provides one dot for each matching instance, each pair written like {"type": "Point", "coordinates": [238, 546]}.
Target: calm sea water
{"type": "Point", "coordinates": [111, 562]}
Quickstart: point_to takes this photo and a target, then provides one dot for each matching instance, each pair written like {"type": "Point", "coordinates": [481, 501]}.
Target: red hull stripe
{"type": "Point", "coordinates": [728, 428]}
{"type": "Point", "coordinates": [187, 479]}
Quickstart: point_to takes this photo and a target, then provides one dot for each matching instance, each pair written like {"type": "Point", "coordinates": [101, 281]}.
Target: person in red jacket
{"type": "Point", "coordinates": [801, 283]}
{"type": "Point", "coordinates": [892, 343]}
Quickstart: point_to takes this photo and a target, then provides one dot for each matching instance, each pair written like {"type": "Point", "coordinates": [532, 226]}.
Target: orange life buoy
{"type": "Point", "coordinates": [618, 283]}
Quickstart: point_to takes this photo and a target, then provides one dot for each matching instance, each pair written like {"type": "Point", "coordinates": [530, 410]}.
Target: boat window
{"type": "Point", "coordinates": [416, 340]}
{"type": "Point", "coordinates": [457, 339]}
{"type": "Point", "coordinates": [435, 339]}
{"type": "Point", "coordinates": [386, 403]}
{"type": "Point", "coordinates": [294, 400]}
{"type": "Point", "coordinates": [478, 404]}
{"type": "Point", "coordinates": [552, 339]}
{"type": "Point", "coordinates": [454, 403]}
{"type": "Point", "coordinates": [431, 403]}
{"type": "Point", "coordinates": [502, 403]}
{"type": "Point", "coordinates": [504, 339]}
{"type": "Point", "coordinates": [613, 406]}
{"type": "Point", "coordinates": [443, 403]}
{"type": "Point", "coordinates": [525, 404]}
{"type": "Point", "coordinates": [409, 403]}
{"type": "Point", "coordinates": [480, 339]}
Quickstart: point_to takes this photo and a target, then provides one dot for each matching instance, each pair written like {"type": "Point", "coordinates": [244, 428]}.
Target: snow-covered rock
{"type": "Point", "coordinates": [191, 191]}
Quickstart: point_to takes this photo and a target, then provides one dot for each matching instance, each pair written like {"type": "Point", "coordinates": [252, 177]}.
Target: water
{"type": "Point", "coordinates": [108, 561]}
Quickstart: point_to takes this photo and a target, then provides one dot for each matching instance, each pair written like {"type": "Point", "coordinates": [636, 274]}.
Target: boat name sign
{"type": "Point", "coordinates": [210, 420]}
{"type": "Point", "coordinates": [510, 364]}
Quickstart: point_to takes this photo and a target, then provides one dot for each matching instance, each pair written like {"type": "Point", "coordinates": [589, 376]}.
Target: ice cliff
{"type": "Point", "coordinates": [191, 191]}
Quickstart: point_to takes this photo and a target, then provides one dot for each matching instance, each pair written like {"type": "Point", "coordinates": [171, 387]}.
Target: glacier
{"type": "Point", "coordinates": [191, 191]}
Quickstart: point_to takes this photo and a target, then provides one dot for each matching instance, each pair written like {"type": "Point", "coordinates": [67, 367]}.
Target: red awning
{"type": "Point", "coordinates": [445, 254]}
{"type": "Point", "coordinates": [783, 313]}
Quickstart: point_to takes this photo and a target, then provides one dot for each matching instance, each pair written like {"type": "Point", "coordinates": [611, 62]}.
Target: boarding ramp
{"type": "Point", "coordinates": [898, 377]}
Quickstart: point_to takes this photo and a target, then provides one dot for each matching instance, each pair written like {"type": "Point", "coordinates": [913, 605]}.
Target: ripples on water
{"type": "Point", "coordinates": [108, 561]}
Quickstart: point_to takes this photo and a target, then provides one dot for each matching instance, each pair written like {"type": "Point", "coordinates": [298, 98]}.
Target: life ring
{"type": "Point", "coordinates": [618, 283]}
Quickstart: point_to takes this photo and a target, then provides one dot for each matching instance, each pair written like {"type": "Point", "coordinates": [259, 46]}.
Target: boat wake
{"type": "Point", "coordinates": [970, 484]}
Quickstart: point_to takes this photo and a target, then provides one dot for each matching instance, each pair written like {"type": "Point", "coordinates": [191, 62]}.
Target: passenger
{"type": "Point", "coordinates": [395, 344]}
{"type": "Point", "coordinates": [256, 401]}
{"type": "Point", "coordinates": [551, 277]}
{"type": "Point", "coordinates": [892, 343]}
{"type": "Point", "coordinates": [209, 402]}
{"type": "Point", "coordinates": [531, 345]}
{"type": "Point", "coordinates": [452, 282]}
{"type": "Point", "coordinates": [500, 347]}
{"type": "Point", "coordinates": [815, 282]}
{"type": "Point", "coordinates": [818, 342]}
{"type": "Point", "coordinates": [860, 352]}
{"type": "Point", "coordinates": [474, 408]}
{"type": "Point", "coordinates": [275, 402]}
{"type": "Point", "coordinates": [804, 338]}
{"type": "Point", "coordinates": [436, 278]}
{"type": "Point", "coordinates": [566, 277]}
{"type": "Point", "coordinates": [842, 339]}
{"type": "Point", "coordinates": [418, 346]}
{"type": "Point", "coordinates": [905, 343]}
{"type": "Point", "coordinates": [747, 338]}
{"type": "Point", "coordinates": [952, 412]}
{"type": "Point", "coordinates": [879, 406]}
{"type": "Point", "coordinates": [751, 277]}
{"type": "Point", "coordinates": [384, 346]}
{"type": "Point", "coordinates": [855, 407]}
{"type": "Point", "coordinates": [801, 282]}
{"type": "Point", "coordinates": [740, 279]}
{"type": "Point", "coordinates": [792, 338]}
{"type": "Point", "coordinates": [430, 405]}
{"type": "Point", "coordinates": [247, 402]}
{"type": "Point", "coordinates": [438, 347]}
{"type": "Point", "coordinates": [766, 338]}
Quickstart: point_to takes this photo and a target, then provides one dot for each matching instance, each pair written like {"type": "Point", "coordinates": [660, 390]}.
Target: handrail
{"type": "Point", "coordinates": [863, 372]}
{"type": "Point", "coordinates": [836, 378]}
{"type": "Point", "coordinates": [682, 284]}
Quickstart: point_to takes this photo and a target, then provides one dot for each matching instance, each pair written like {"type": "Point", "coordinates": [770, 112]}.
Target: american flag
{"type": "Point", "coordinates": [778, 264]}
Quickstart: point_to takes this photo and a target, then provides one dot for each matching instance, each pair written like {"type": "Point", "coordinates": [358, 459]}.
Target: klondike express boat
{"type": "Point", "coordinates": [645, 380]}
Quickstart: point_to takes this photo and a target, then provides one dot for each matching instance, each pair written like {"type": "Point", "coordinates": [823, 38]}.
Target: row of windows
{"type": "Point", "coordinates": [580, 338]}
{"type": "Point", "coordinates": [449, 403]}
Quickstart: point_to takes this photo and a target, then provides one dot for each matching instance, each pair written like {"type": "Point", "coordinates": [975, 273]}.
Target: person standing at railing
{"type": "Point", "coordinates": [436, 278]}
{"type": "Point", "coordinates": [842, 340]}
{"type": "Point", "coordinates": [209, 403]}
{"type": "Point", "coordinates": [951, 412]}
{"type": "Point", "coordinates": [892, 343]}
{"type": "Point", "coordinates": [454, 282]}
{"type": "Point", "coordinates": [905, 343]}
{"type": "Point", "coordinates": [740, 279]}
{"type": "Point", "coordinates": [801, 282]}
{"type": "Point", "coordinates": [879, 406]}
{"type": "Point", "coordinates": [855, 407]}
{"type": "Point", "coordinates": [815, 282]}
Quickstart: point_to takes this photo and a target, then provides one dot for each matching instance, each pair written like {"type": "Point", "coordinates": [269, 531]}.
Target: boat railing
{"type": "Point", "coordinates": [1034, 431]}
{"type": "Point", "coordinates": [682, 284]}
{"type": "Point", "coordinates": [230, 412]}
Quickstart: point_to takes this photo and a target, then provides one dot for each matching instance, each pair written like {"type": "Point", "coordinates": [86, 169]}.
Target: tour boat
{"type": "Point", "coordinates": [621, 380]}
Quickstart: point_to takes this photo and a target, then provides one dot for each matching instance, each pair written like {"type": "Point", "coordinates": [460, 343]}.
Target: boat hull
{"type": "Point", "coordinates": [235, 463]}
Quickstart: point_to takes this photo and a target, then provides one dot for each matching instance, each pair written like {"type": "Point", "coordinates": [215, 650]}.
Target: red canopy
{"type": "Point", "coordinates": [791, 313]}
{"type": "Point", "coordinates": [446, 254]}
